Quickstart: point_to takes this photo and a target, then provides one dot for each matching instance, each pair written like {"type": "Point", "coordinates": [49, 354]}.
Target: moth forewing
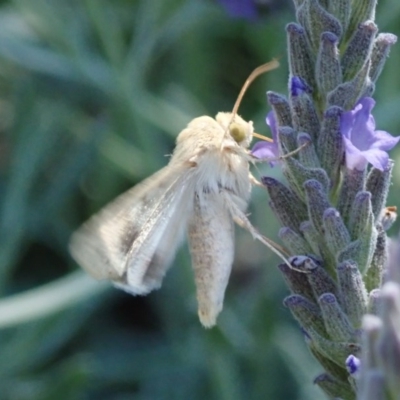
{"type": "Point", "coordinates": [149, 256]}
{"type": "Point", "coordinates": [133, 240]}
{"type": "Point", "coordinates": [211, 243]}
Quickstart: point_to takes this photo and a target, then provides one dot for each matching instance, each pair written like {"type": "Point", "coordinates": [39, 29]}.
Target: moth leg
{"type": "Point", "coordinates": [254, 181]}
{"type": "Point", "coordinates": [240, 218]}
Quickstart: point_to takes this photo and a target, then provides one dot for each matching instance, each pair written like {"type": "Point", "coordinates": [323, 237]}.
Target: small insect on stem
{"type": "Point", "coordinates": [203, 190]}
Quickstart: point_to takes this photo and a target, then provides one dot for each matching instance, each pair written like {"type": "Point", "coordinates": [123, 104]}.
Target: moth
{"type": "Point", "coordinates": [203, 190]}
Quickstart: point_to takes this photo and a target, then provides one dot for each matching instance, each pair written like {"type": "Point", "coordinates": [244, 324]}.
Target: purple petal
{"type": "Point", "coordinates": [364, 144]}
{"type": "Point", "coordinates": [362, 113]}
{"type": "Point", "coordinates": [346, 124]}
{"type": "Point", "coordinates": [268, 150]}
{"type": "Point", "coordinates": [264, 150]}
{"type": "Point", "coordinates": [354, 157]}
{"type": "Point", "coordinates": [353, 365]}
{"type": "Point", "coordinates": [385, 141]}
{"type": "Point", "coordinates": [377, 158]}
{"type": "Point", "coordinates": [273, 125]}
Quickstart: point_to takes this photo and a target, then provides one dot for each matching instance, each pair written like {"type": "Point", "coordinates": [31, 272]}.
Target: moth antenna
{"type": "Point", "coordinates": [287, 155]}
{"type": "Point", "coordinates": [262, 137]}
{"type": "Point", "coordinates": [262, 69]}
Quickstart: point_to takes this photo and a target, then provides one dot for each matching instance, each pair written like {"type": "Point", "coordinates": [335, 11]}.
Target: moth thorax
{"type": "Point", "coordinates": [240, 130]}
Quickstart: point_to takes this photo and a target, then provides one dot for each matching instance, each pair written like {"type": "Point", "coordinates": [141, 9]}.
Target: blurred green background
{"type": "Point", "coordinates": [92, 96]}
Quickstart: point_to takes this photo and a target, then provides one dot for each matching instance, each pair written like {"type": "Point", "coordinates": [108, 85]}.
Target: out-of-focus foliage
{"type": "Point", "coordinates": [92, 95]}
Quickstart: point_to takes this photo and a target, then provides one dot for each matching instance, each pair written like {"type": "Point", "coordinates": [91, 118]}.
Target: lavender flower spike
{"type": "Point", "coordinates": [364, 144]}
{"type": "Point", "coordinates": [330, 218]}
{"type": "Point", "coordinates": [265, 150]}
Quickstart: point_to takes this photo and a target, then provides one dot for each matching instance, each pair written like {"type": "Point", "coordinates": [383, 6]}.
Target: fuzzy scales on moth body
{"type": "Point", "coordinates": [211, 229]}
{"type": "Point", "coordinates": [204, 189]}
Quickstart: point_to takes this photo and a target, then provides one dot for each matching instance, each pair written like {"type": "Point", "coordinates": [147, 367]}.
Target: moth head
{"type": "Point", "coordinates": [236, 128]}
{"type": "Point", "coordinates": [240, 131]}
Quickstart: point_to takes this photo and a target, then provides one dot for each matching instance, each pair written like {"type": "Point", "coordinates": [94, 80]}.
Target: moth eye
{"type": "Point", "coordinates": [237, 132]}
